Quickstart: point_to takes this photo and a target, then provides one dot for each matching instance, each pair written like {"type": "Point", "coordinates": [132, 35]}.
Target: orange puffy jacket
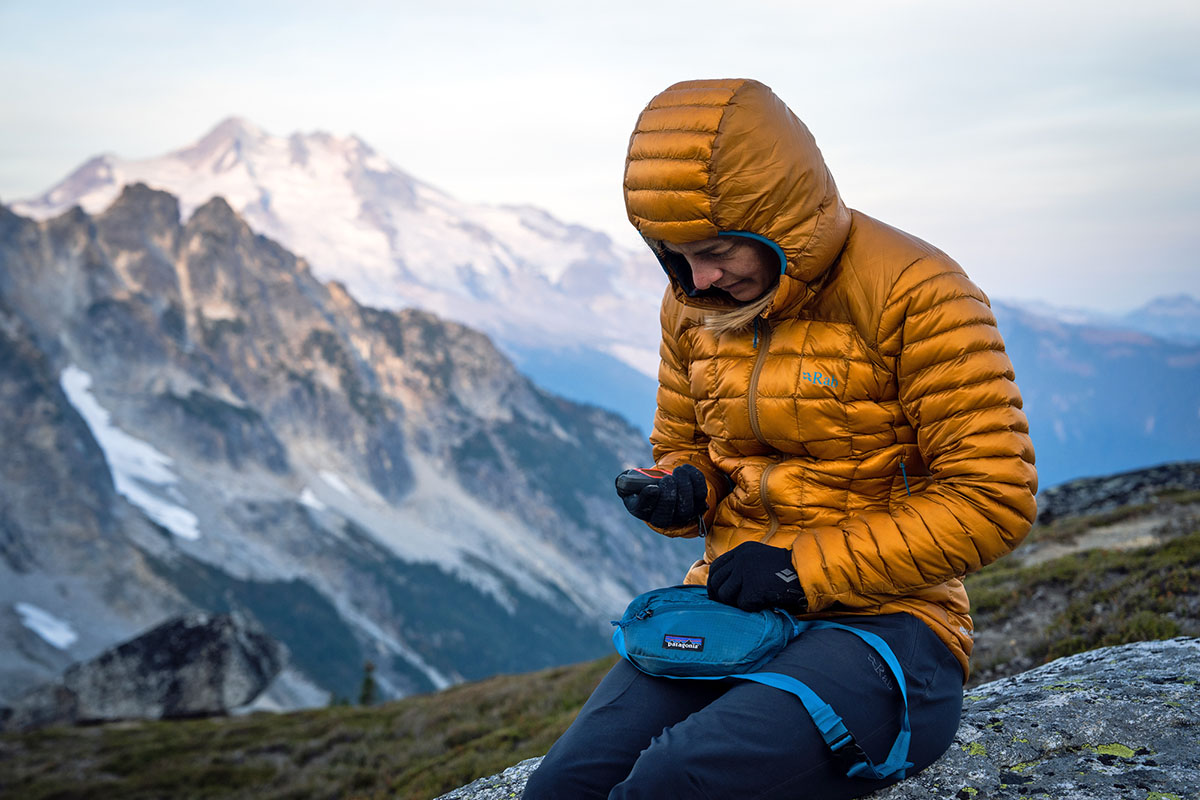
{"type": "Point", "coordinates": [868, 419]}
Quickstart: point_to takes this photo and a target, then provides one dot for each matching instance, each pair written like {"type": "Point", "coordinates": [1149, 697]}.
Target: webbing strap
{"type": "Point", "coordinates": [829, 723]}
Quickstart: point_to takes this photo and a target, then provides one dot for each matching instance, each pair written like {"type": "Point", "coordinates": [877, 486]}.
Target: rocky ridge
{"type": "Point", "coordinates": [547, 291]}
{"type": "Point", "coordinates": [198, 423]}
{"type": "Point", "coordinates": [1133, 487]}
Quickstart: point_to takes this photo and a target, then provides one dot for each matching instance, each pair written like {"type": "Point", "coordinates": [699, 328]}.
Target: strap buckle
{"type": "Point", "coordinates": [848, 754]}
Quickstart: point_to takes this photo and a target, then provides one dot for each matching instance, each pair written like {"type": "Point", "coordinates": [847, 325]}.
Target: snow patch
{"type": "Point", "coordinates": [336, 482]}
{"type": "Point", "coordinates": [377, 163]}
{"type": "Point", "coordinates": [136, 465]}
{"type": "Point", "coordinates": [435, 676]}
{"type": "Point", "coordinates": [55, 631]}
{"type": "Point", "coordinates": [309, 498]}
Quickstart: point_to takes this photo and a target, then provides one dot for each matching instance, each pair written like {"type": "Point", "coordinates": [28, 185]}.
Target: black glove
{"type": "Point", "coordinates": [754, 576]}
{"type": "Point", "coordinates": [673, 500]}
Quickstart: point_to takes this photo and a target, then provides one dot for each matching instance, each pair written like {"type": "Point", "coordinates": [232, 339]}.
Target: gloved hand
{"type": "Point", "coordinates": [676, 499]}
{"type": "Point", "coordinates": [754, 576]}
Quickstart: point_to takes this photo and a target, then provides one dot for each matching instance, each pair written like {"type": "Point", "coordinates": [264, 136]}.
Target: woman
{"type": "Point", "coordinates": [836, 413]}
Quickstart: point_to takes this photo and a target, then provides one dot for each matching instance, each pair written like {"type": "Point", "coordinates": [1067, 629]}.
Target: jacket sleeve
{"type": "Point", "coordinates": [956, 387]}
{"type": "Point", "coordinates": [677, 438]}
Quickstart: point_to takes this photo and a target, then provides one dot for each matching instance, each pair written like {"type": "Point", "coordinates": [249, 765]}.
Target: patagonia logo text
{"type": "Point", "coordinates": [673, 642]}
{"type": "Point", "coordinates": [819, 379]}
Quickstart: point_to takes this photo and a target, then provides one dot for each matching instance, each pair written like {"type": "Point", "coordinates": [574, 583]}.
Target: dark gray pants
{"type": "Point", "coordinates": [640, 736]}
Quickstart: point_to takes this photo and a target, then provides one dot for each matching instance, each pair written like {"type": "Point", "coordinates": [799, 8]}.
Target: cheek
{"type": "Point", "coordinates": [766, 274]}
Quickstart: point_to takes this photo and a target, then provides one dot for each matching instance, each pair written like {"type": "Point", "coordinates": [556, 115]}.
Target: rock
{"type": "Point", "coordinates": [505, 786]}
{"type": "Point", "coordinates": [1119, 722]}
{"type": "Point", "coordinates": [1115, 723]}
{"type": "Point", "coordinates": [191, 666]}
{"type": "Point", "coordinates": [1097, 495]}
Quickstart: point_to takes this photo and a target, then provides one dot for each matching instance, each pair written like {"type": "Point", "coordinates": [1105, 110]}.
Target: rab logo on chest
{"type": "Point", "coordinates": [819, 379]}
{"type": "Point", "coordinates": [674, 642]}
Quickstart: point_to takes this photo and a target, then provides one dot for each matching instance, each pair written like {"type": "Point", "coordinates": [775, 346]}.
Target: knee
{"type": "Point", "coordinates": [553, 780]}
{"type": "Point", "coordinates": [663, 772]}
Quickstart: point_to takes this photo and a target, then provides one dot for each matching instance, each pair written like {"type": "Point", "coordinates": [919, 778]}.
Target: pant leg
{"type": "Point", "coordinates": [619, 720]}
{"type": "Point", "coordinates": [756, 742]}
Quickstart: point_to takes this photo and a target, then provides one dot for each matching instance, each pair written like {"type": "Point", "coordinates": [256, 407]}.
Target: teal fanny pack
{"type": "Point", "coordinates": [679, 632]}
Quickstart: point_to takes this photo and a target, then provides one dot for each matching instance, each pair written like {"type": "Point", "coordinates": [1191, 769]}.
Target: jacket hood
{"type": "Point", "coordinates": [710, 157]}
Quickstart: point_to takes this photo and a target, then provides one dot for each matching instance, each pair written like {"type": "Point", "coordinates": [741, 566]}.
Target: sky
{"type": "Point", "coordinates": [1053, 149]}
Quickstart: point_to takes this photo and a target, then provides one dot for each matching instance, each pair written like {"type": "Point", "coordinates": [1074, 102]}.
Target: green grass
{"type": "Point", "coordinates": [1111, 598]}
{"type": "Point", "coordinates": [418, 747]}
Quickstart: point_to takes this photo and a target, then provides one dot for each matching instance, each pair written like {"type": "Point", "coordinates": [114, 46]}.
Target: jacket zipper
{"type": "Point", "coordinates": [752, 393]}
{"type": "Point", "coordinates": [772, 519]}
{"type": "Point", "coordinates": [752, 398]}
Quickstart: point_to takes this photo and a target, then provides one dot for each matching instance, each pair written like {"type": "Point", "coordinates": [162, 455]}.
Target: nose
{"type": "Point", "coordinates": [704, 276]}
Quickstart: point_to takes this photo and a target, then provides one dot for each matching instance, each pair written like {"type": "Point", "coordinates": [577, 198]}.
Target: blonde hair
{"type": "Point", "coordinates": [737, 317]}
{"type": "Point", "coordinates": [740, 317]}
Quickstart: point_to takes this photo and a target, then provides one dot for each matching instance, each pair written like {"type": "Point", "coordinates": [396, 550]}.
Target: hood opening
{"type": "Point", "coordinates": [680, 272]}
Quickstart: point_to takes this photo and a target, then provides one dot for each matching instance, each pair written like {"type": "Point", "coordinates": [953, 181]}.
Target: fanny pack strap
{"type": "Point", "coordinates": [833, 730]}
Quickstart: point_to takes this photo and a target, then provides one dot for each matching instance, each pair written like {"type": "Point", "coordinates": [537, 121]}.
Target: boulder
{"type": "Point", "coordinates": [190, 666]}
{"type": "Point", "coordinates": [1110, 724]}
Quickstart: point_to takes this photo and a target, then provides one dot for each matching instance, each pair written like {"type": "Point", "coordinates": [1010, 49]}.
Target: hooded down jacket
{"type": "Point", "coordinates": [868, 419]}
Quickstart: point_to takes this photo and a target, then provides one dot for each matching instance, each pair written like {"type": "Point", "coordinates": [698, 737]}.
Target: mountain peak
{"type": "Point", "coordinates": [1175, 318]}
{"type": "Point", "coordinates": [1175, 304]}
{"type": "Point", "coordinates": [224, 146]}
{"type": "Point", "coordinates": [97, 174]}
{"type": "Point", "coordinates": [144, 203]}
{"type": "Point", "coordinates": [236, 128]}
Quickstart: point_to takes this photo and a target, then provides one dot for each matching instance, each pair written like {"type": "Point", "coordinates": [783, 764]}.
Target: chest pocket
{"type": "Point", "coordinates": [809, 388]}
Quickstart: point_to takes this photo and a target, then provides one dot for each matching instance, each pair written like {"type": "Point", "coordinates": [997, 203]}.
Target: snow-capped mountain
{"type": "Point", "coordinates": [580, 315]}
{"type": "Point", "coordinates": [192, 421]}
{"type": "Point", "coordinates": [538, 286]}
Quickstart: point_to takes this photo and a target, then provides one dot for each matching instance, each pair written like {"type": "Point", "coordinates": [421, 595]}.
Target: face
{"type": "Point", "coordinates": [744, 268]}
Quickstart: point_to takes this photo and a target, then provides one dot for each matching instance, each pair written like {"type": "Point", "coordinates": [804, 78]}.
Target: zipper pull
{"type": "Point", "coordinates": [904, 474]}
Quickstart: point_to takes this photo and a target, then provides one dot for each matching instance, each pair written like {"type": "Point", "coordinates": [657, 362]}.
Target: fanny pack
{"type": "Point", "coordinates": [678, 632]}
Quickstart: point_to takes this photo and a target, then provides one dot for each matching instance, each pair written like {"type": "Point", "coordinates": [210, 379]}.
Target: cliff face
{"type": "Point", "coordinates": [1109, 724]}
{"type": "Point", "coordinates": [196, 422]}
